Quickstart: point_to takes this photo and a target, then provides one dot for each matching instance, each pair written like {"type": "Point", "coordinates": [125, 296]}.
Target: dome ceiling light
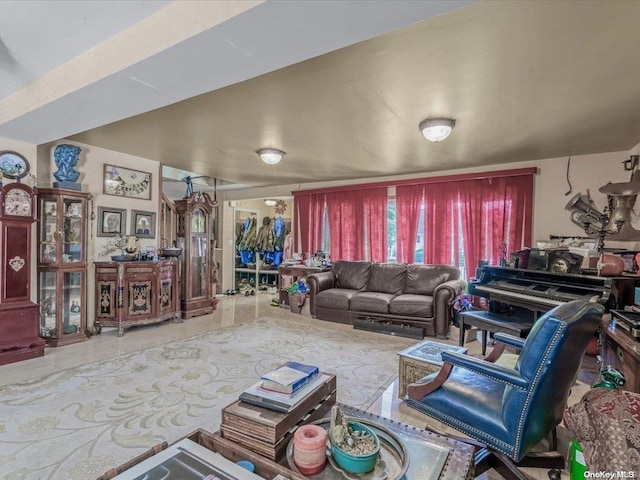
{"type": "Point", "coordinates": [270, 156]}
{"type": "Point", "coordinates": [436, 129]}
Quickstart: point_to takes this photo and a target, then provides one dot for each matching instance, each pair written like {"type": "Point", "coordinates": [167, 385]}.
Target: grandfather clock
{"type": "Point", "coordinates": [19, 339]}
{"type": "Point", "coordinates": [193, 235]}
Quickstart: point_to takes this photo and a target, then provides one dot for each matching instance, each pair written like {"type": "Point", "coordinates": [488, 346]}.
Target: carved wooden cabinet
{"type": "Point", "coordinates": [19, 338]}
{"type": "Point", "coordinates": [621, 352]}
{"type": "Point", "coordinates": [193, 236]}
{"type": "Point", "coordinates": [136, 293]}
{"type": "Point", "coordinates": [62, 265]}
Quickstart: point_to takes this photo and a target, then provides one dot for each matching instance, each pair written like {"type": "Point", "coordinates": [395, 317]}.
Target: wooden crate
{"type": "Point", "coordinates": [228, 449]}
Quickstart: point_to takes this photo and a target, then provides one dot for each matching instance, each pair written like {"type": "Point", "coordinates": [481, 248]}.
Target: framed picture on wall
{"type": "Point", "coordinates": [111, 221]}
{"type": "Point", "coordinates": [125, 182]}
{"type": "Point", "coordinates": [143, 224]}
{"type": "Point", "coordinates": [13, 165]}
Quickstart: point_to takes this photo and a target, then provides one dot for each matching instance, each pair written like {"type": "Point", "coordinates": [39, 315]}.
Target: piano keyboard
{"type": "Point", "coordinates": [539, 290]}
{"type": "Point", "coordinates": [521, 296]}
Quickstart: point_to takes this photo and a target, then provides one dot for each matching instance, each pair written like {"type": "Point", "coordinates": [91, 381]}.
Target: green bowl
{"type": "Point", "coordinates": [352, 463]}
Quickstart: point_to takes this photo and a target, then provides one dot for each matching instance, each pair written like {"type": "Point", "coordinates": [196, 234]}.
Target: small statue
{"type": "Point", "coordinates": [66, 158]}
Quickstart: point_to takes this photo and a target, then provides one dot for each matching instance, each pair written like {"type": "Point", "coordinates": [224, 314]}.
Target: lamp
{"type": "Point", "coordinates": [270, 156]}
{"type": "Point", "coordinates": [436, 129]}
{"type": "Point", "coordinates": [270, 202]}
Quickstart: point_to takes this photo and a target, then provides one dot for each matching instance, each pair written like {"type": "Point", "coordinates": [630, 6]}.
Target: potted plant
{"type": "Point", "coordinates": [354, 446]}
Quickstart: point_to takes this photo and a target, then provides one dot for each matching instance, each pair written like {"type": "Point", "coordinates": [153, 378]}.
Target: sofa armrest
{"type": "Point", "coordinates": [316, 283]}
{"type": "Point", "coordinates": [443, 297]}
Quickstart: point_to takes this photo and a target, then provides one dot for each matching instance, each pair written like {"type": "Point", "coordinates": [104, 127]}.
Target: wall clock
{"type": "Point", "coordinates": [13, 165]}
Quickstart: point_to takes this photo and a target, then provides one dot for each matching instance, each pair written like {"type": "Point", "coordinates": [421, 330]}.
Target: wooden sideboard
{"type": "Point", "coordinates": [623, 353]}
{"type": "Point", "coordinates": [136, 293]}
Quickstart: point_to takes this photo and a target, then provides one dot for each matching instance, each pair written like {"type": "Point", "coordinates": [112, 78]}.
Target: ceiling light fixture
{"type": "Point", "coordinates": [436, 129]}
{"type": "Point", "coordinates": [270, 156]}
{"type": "Point", "coordinates": [270, 202]}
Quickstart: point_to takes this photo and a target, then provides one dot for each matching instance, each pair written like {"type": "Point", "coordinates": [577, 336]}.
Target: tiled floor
{"type": "Point", "coordinates": [231, 310]}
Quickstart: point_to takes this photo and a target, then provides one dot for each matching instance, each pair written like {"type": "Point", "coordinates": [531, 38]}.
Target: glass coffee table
{"type": "Point", "coordinates": [429, 456]}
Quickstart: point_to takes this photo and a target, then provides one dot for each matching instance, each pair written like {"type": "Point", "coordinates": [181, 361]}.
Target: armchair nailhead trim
{"type": "Point", "coordinates": [536, 378]}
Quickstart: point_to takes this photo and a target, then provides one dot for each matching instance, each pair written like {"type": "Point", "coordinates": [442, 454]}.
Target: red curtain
{"type": "Point", "coordinates": [490, 212]}
{"type": "Point", "coordinates": [496, 218]}
{"type": "Point", "coordinates": [441, 224]}
{"type": "Point", "coordinates": [358, 224]}
{"type": "Point", "coordinates": [375, 214]}
{"type": "Point", "coordinates": [307, 231]}
{"type": "Point", "coordinates": [408, 203]}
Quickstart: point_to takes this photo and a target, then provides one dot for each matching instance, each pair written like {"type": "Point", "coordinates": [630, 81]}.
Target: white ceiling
{"type": "Point", "coordinates": [340, 86]}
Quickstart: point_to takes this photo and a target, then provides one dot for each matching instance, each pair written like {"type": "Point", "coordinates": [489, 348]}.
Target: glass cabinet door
{"type": "Point", "coordinates": [199, 273]}
{"type": "Point", "coordinates": [48, 230]}
{"type": "Point", "coordinates": [48, 303]}
{"type": "Point", "coordinates": [72, 244]}
{"type": "Point", "coordinates": [62, 267]}
{"type": "Point", "coordinates": [71, 298]}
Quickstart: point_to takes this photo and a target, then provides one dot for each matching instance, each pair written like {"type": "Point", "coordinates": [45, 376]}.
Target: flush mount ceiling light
{"type": "Point", "coordinates": [270, 156]}
{"type": "Point", "coordinates": [436, 129]}
{"type": "Point", "coordinates": [270, 202]}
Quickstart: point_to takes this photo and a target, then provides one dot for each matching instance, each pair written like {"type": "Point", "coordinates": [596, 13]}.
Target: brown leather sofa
{"type": "Point", "coordinates": [415, 295]}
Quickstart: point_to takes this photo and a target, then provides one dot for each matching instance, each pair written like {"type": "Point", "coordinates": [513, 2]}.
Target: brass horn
{"type": "Point", "coordinates": [584, 214]}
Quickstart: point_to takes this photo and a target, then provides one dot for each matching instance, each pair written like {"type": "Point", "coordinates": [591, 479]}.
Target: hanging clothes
{"type": "Point", "coordinates": [265, 239]}
{"type": "Point", "coordinates": [247, 243]}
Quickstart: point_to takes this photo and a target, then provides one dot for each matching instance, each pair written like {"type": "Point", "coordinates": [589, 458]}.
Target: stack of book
{"type": "Point", "coordinates": [263, 420]}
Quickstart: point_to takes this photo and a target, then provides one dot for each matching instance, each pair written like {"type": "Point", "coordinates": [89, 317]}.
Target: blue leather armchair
{"type": "Point", "coordinates": [510, 410]}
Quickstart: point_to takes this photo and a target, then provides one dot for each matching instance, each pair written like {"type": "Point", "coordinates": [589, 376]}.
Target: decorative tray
{"type": "Point", "coordinates": [122, 258]}
{"type": "Point", "coordinates": [393, 461]}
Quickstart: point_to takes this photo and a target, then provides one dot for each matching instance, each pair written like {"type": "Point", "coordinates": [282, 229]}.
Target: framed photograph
{"type": "Point", "coordinates": [13, 165]}
{"type": "Point", "coordinates": [143, 224]}
{"type": "Point", "coordinates": [124, 182]}
{"type": "Point", "coordinates": [111, 221]}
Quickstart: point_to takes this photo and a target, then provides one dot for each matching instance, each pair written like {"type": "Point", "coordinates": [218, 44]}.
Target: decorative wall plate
{"type": "Point", "coordinates": [13, 165]}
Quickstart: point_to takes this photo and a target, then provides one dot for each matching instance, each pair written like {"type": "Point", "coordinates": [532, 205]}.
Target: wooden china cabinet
{"type": "Point", "coordinates": [193, 236]}
{"type": "Point", "coordinates": [62, 265]}
{"type": "Point", "coordinates": [18, 314]}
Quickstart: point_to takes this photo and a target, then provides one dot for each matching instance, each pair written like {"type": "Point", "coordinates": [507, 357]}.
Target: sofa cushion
{"type": "Point", "coordinates": [387, 278]}
{"type": "Point", "coordinates": [337, 298]}
{"type": "Point", "coordinates": [351, 275]}
{"type": "Point", "coordinates": [371, 302]}
{"type": "Point", "coordinates": [409, 305]}
{"type": "Point", "coordinates": [423, 279]}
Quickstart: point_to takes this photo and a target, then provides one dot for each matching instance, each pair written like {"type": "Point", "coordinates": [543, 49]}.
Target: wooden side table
{"type": "Point", "coordinates": [623, 353]}
{"type": "Point", "coordinates": [295, 271]}
{"type": "Point", "coordinates": [420, 360]}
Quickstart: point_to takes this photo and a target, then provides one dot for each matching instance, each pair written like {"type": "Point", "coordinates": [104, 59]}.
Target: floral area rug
{"type": "Point", "coordinates": [78, 423]}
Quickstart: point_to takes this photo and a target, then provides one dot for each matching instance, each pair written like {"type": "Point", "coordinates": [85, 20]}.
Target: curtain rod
{"type": "Point", "coordinates": [422, 181]}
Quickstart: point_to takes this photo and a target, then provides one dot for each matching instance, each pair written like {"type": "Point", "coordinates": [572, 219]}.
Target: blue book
{"type": "Point", "coordinates": [256, 395]}
{"type": "Point", "coordinates": [289, 377]}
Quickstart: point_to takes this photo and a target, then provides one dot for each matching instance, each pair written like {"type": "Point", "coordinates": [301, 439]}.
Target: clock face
{"type": "Point", "coordinates": [17, 202]}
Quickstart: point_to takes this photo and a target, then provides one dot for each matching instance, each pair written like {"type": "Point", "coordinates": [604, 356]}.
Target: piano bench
{"type": "Point", "coordinates": [492, 322]}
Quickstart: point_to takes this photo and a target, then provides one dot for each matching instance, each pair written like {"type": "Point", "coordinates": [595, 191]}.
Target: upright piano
{"type": "Point", "coordinates": [539, 291]}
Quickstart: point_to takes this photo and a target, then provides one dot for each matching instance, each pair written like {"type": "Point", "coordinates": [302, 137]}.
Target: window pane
{"type": "Point", "coordinates": [392, 251]}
